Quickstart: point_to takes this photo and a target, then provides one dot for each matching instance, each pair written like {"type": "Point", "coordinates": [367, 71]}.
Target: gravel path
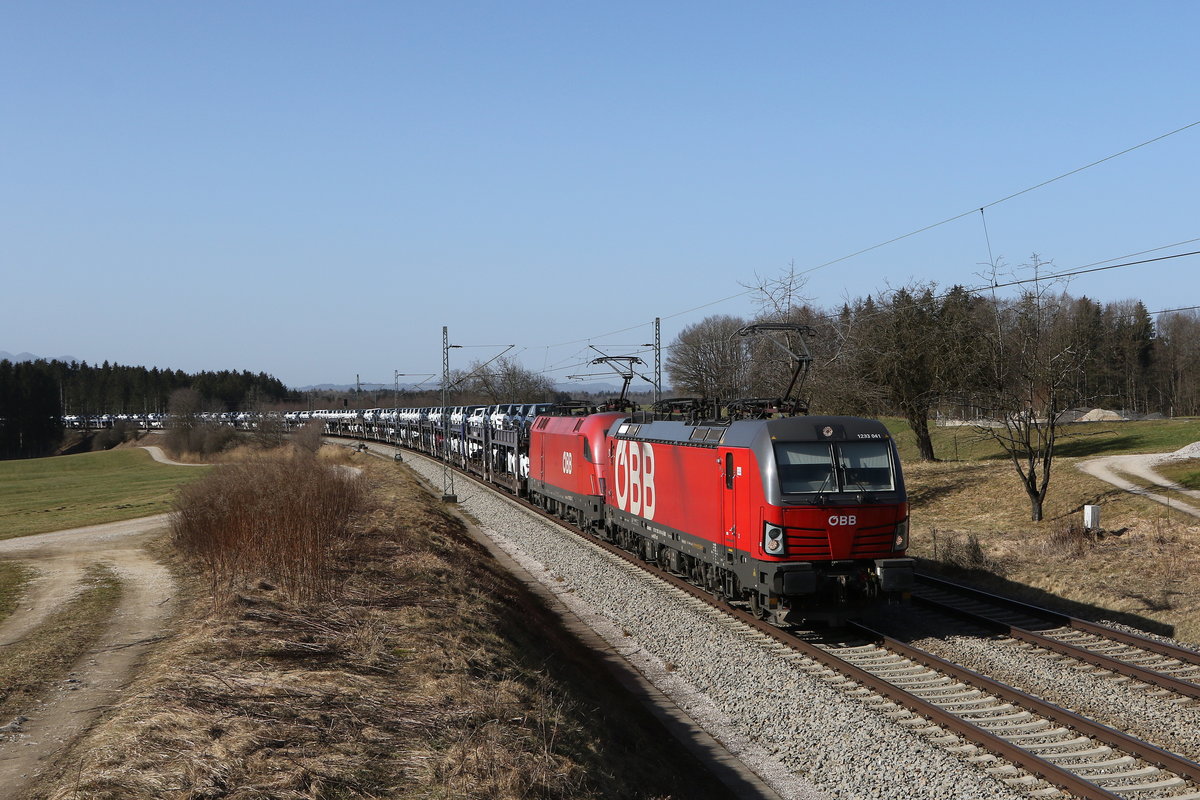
{"type": "Point", "coordinates": [1108, 468]}
{"type": "Point", "coordinates": [805, 737]}
{"type": "Point", "coordinates": [158, 455]}
{"type": "Point", "coordinates": [147, 591]}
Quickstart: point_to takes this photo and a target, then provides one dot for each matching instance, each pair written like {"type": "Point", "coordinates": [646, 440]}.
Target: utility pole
{"type": "Point", "coordinates": [448, 495]}
{"type": "Point", "coordinates": [657, 345]}
{"type": "Point", "coordinates": [657, 359]}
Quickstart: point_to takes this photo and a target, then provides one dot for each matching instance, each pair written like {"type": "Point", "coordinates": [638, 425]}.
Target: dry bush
{"type": "Point", "coordinates": [275, 519]}
{"type": "Point", "coordinates": [963, 551]}
{"type": "Point", "coordinates": [309, 437]}
{"type": "Point", "coordinates": [1070, 538]}
{"type": "Point", "coordinates": [270, 432]}
{"type": "Point", "coordinates": [199, 438]}
{"type": "Point", "coordinates": [335, 454]}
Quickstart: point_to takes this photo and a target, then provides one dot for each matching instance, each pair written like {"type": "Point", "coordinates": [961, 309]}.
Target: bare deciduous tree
{"type": "Point", "coordinates": [506, 381]}
{"type": "Point", "coordinates": [709, 359]}
{"type": "Point", "coordinates": [1178, 366]}
{"type": "Point", "coordinates": [1034, 364]}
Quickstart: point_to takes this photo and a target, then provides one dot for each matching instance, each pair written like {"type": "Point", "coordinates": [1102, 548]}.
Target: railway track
{"type": "Point", "coordinates": [1059, 748]}
{"type": "Point", "coordinates": [1031, 745]}
{"type": "Point", "coordinates": [1159, 664]}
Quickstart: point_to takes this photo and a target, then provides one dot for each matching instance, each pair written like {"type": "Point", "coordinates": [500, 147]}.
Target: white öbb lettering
{"type": "Point", "coordinates": [568, 462]}
{"type": "Point", "coordinates": [634, 470]}
{"type": "Point", "coordinates": [843, 520]}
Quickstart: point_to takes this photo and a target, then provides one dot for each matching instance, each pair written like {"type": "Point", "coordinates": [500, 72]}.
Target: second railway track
{"type": "Point", "coordinates": [1157, 663]}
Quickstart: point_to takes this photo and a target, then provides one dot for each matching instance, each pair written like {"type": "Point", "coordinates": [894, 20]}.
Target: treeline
{"type": "Point", "coordinates": [921, 353]}
{"type": "Point", "coordinates": [30, 412]}
{"type": "Point", "coordinates": [117, 389]}
{"type": "Point", "coordinates": [35, 395]}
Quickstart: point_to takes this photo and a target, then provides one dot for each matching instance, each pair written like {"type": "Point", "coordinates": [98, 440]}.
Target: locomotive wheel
{"type": "Point", "coordinates": [757, 607]}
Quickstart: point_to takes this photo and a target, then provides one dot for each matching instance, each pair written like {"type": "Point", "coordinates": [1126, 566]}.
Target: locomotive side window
{"type": "Point", "coordinates": [805, 467]}
{"type": "Point", "coordinates": [866, 466]}
{"type": "Point", "coordinates": [729, 470]}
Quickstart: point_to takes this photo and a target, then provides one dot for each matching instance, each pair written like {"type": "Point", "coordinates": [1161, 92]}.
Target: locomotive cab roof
{"type": "Point", "coordinates": [744, 433]}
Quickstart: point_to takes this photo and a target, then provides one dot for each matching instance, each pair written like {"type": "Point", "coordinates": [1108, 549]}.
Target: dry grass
{"type": "Point", "coordinates": [428, 673]}
{"type": "Point", "coordinates": [13, 579]}
{"type": "Point", "coordinates": [1136, 570]}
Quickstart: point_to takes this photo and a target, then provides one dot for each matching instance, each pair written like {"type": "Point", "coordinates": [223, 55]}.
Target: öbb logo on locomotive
{"type": "Point", "coordinates": [634, 473]}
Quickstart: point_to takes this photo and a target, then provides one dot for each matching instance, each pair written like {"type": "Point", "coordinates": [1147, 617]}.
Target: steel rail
{"type": "Point", "coordinates": [1177, 685]}
{"type": "Point", "coordinates": [1155, 755]}
{"type": "Point", "coordinates": [1136, 640]}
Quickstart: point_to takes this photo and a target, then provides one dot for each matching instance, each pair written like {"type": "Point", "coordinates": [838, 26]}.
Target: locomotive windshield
{"type": "Point", "coordinates": [816, 467]}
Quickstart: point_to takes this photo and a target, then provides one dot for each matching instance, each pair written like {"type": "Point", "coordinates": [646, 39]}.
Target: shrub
{"type": "Point", "coordinates": [108, 438]}
{"type": "Point", "coordinates": [963, 551]}
{"type": "Point", "coordinates": [275, 520]}
{"type": "Point", "coordinates": [1071, 538]}
{"type": "Point", "coordinates": [309, 437]}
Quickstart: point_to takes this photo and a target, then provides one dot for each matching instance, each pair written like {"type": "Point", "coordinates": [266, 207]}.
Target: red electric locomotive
{"type": "Point", "coordinates": [568, 459]}
{"type": "Point", "coordinates": [805, 518]}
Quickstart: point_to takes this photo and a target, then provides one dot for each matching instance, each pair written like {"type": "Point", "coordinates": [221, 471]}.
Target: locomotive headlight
{"type": "Point", "coordinates": [900, 542]}
{"type": "Point", "coordinates": [773, 542]}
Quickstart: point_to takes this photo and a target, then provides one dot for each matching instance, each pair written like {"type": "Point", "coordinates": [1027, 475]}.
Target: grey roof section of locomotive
{"type": "Point", "coordinates": [758, 435]}
{"type": "Point", "coordinates": [746, 433]}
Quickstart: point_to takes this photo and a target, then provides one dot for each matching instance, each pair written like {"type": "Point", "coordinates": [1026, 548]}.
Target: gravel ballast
{"type": "Point", "coordinates": [804, 737]}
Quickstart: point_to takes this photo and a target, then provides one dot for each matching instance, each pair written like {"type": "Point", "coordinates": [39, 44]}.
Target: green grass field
{"type": "Point", "coordinates": [1077, 440]}
{"type": "Point", "coordinates": [1185, 473]}
{"type": "Point", "coordinates": [49, 494]}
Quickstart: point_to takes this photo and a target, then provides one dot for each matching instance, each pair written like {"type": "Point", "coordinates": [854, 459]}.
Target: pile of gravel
{"type": "Point", "coordinates": [1184, 453]}
{"type": "Point", "coordinates": [776, 711]}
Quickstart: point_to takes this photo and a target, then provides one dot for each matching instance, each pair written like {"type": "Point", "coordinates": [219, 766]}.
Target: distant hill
{"type": "Point", "coordinates": [19, 357]}
{"type": "Point", "coordinates": [367, 388]}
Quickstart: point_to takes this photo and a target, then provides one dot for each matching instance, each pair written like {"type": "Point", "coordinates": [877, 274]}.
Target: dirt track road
{"type": "Point", "coordinates": [1110, 468]}
{"type": "Point", "coordinates": [60, 559]}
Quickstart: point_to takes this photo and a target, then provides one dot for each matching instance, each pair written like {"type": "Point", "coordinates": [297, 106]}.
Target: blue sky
{"type": "Point", "coordinates": [314, 189]}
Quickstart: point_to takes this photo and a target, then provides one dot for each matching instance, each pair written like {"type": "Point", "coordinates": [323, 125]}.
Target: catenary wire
{"type": "Point", "coordinates": [1083, 270]}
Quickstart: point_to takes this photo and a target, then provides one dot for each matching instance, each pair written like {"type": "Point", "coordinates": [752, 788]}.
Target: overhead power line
{"type": "Point", "coordinates": [1056, 275]}
{"type": "Point", "coordinates": [1004, 199]}
{"type": "Point", "coordinates": [1083, 270]}
{"type": "Point", "coordinates": [908, 235]}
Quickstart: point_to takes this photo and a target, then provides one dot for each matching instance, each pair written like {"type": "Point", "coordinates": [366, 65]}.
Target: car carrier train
{"type": "Point", "coordinates": [803, 518]}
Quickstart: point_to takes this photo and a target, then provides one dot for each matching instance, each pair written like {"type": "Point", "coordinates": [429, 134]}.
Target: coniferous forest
{"type": "Point", "coordinates": [35, 395]}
